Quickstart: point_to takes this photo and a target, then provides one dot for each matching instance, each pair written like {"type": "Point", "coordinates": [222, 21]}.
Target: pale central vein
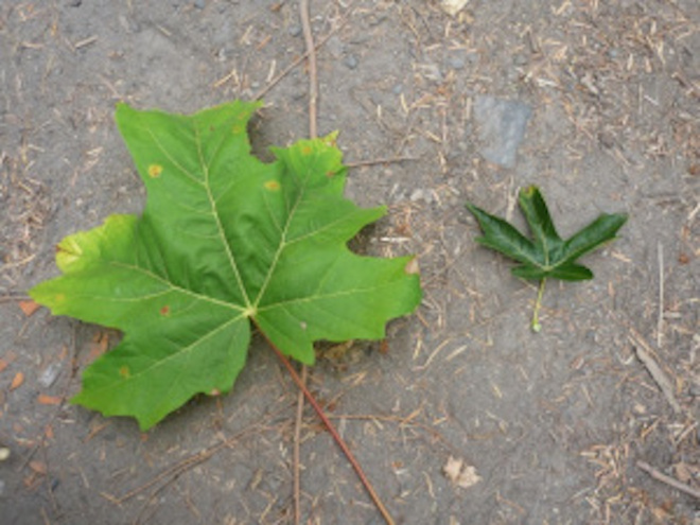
{"type": "Point", "coordinates": [219, 225]}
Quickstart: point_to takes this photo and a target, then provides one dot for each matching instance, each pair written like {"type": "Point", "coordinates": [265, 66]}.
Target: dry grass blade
{"type": "Point", "coordinates": [645, 355]}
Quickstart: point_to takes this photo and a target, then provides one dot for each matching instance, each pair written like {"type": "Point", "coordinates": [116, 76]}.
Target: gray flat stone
{"type": "Point", "coordinates": [501, 125]}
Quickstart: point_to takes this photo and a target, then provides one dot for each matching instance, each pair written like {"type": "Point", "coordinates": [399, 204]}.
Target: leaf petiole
{"type": "Point", "coordinates": [536, 326]}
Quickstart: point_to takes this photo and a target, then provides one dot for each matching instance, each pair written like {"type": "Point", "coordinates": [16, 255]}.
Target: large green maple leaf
{"type": "Point", "coordinates": [225, 240]}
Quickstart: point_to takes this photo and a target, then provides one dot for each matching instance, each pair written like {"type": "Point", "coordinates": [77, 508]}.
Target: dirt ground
{"type": "Point", "coordinates": [554, 424]}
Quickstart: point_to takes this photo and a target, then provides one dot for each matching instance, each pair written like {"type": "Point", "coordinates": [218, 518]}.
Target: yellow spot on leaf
{"type": "Point", "coordinates": [124, 371]}
{"type": "Point", "coordinates": [306, 150]}
{"type": "Point", "coordinates": [60, 297]}
{"type": "Point", "coordinates": [154, 170]}
{"type": "Point", "coordinates": [237, 129]}
{"type": "Point", "coordinates": [272, 185]}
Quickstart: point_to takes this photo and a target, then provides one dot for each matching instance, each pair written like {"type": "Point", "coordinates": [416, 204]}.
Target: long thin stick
{"type": "Point", "coordinates": [673, 482]}
{"type": "Point", "coordinates": [297, 450]}
{"type": "Point", "coordinates": [334, 433]}
{"type": "Point", "coordinates": [645, 355]}
{"type": "Point", "coordinates": [374, 162]}
{"type": "Point", "coordinates": [313, 112]}
{"type": "Point", "coordinates": [660, 320]}
{"type": "Point", "coordinates": [260, 94]}
{"type": "Point", "coordinates": [311, 57]}
{"type": "Point", "coordinates": [13, 298]}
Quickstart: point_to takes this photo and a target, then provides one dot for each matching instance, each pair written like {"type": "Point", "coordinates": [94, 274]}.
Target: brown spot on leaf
{"type": "Point", "coordinates": [165, 310]}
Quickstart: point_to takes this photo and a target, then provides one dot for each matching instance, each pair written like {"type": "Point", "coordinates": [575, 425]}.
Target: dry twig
{"type": "Point", "coordinates": [311, 57]}
{"type": "Point", "coordinates": [673, 482]}
{"type": "Point", "coordinates": [171, 473]}
{"type": "Point", "coordinates": [346, 18]}
{"type": "Point", "coordinates": [297, 453]}
{"type": "Point", "coordinates": [313, 96]}
{"type": "Point", "coordinates": [374, 162]}
{"type": "Point", "coordinates": [645, 355]}
{"type": "Point", "coordinates": [336, 436]}
{"type": "Point", "coordinates": [660, 319]}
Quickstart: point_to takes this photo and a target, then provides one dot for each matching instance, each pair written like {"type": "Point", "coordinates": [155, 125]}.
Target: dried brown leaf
{"type": "Point", "coordinates": [460, 473]}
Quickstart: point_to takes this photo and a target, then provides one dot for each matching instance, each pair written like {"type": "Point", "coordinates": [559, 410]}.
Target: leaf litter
{"type": "Point", "coordinates": [460, 473]}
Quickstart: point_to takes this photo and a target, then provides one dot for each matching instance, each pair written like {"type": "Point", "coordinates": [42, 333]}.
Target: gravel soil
{"type": "Point", "coordinates": [462, 415]}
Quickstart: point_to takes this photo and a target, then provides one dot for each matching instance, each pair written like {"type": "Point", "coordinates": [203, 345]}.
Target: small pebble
{"type": "Point", "coordinates": [294, 30]}
{"type": "Point", "coordinates": [49, 375]}
{"type": "Point", "coordinates": [421, 195]}
{"type": "Point", "coordinates": [75, 3]}
{"type": "Point", "coordinates": [456, 62]}
{"type": "Point", "coordinates": [2, 487]}
{"type": "Point", "coordinates": [351, 61]}
{"type": "Point", "coordinates": [200, 4]}
{"type": "Point", "coordinates": [519, 59]}
{"type": "Point", "coordinates": [397, 89]}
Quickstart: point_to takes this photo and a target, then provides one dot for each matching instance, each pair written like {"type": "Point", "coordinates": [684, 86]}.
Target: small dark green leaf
{"type": "Point", "coordinates": [547, 255]}
{"type": "Point", "coordinates": [501, 236]}
{"type": "Point", "coordinates": [540, 222]}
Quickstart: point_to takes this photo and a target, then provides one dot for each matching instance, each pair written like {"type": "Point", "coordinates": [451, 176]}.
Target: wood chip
{"type": "Point", "coordinates": [28, 307]}
{"type": "Point", "coordinates": [645, 355]}
{"type": "Point", "coordinates": [43, 399]}
{"type": "Point", "coordinates": [17, 381]}
{"type": "Point", "coordinates": [38, 466]}
{"type": "Point", "coordinates": [452, 7]}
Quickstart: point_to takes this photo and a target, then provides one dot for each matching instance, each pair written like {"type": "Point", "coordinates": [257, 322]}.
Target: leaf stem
{"type": "Point", "coordinates": [339, 440]}
{"type": "Point", "coordinates": [536, 326]}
